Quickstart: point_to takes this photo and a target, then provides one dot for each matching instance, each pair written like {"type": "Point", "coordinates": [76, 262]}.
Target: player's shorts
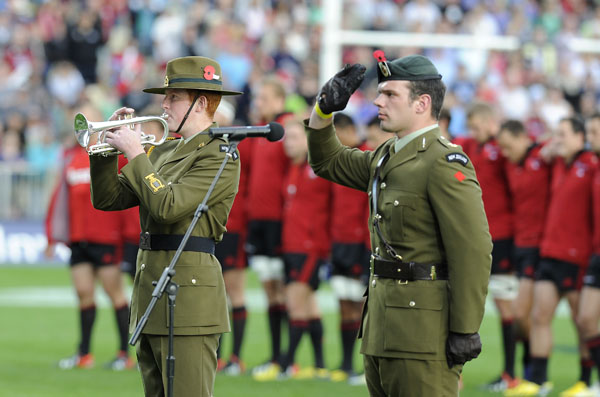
{"type": "Point", "coordinates": [302, 268]}
{"type": "Point", "coordinates": [565, 276]}
{"type": "Point", "coordinates": [502, 257]}
{"type": "Point", "coordinates": [526, 261]}
{"type": "Point", "coordinates": [130, 251]}
{"type": "Point", "coordinates": [350, 260]}
{"type": "Point", "coordinates": [97, 254]}
{"type": "Point", "coordinates": [264, 238]}
{"type": "Point", "coordinates": [592, 275]}
{"type": "Point", "coordinates": [230, 252]}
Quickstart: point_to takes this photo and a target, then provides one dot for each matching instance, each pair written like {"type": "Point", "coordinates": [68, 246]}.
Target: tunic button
{"type": "Point", "coordinates": [396, 203]}
{"type": "Point", "coordinates": [383, 185]}
{"type": "Point", "coordinates": [193, 281]}
{"type": "Point", "coordinates": [411, 303]}
{"type": "Point", "coordinates": [143, 266]}
{"type": "Point", "coordinates": [374, 282]}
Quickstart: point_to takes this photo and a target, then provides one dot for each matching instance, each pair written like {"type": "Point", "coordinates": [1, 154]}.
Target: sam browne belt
{"type": "Point", "coordinates": [170, 242]}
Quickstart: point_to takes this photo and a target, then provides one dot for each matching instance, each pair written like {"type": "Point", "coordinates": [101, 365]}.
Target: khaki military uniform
{"type": "Point", "coordinates": [430, 208]}
{"type": "Point", "coordinates": [168, 184]}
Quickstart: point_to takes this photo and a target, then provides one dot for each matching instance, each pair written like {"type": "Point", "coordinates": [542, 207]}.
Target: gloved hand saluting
{"type": "Point", "coordinates": [461, 348]}
{"type": "Point", "coordinates": [335, 94]}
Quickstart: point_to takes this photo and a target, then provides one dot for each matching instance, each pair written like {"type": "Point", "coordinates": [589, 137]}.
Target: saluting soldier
{"type": "Point", "coordinates": [168, 183]}
{"type": "Point", "coordinates": [431, 245]}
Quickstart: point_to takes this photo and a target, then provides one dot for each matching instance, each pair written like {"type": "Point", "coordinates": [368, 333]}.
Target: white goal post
{"type": "Point", "coordinates": [334, 38]}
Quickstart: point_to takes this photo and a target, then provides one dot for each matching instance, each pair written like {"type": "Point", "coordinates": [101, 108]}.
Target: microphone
{"type": "Point", "coordinates": [272, 131]}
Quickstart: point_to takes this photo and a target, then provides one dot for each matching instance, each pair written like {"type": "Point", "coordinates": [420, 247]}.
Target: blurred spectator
{"type": "Point", "coordinates": [554, 108]}
{"type": "Point", "coordinates": [85, 38]}
{"type": "Point", "coordinates": [513, 99]}
{"type": "Point", "coordinates": [421, 15]}
{"type": "Point", "coordinates": [65, 83]}
{"type": "Point", "coordinates": [166, 33]}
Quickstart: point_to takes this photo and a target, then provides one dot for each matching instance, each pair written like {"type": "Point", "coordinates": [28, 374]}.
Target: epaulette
{"type": "Point", "coordinates": [169, 138]}
{"type": "Point", "coordinates": [444, 141]}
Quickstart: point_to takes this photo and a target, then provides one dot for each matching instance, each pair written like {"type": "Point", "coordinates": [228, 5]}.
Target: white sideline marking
{"type": "Point", "coordinates": [66, 297]}
{"type": "Point", "coordinates": [255, 299]}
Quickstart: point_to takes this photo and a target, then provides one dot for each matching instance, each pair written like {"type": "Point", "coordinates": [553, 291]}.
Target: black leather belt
{"type": "Point", "coordinates": [410, 271]}
{"type": "Point", "coordinates": [170, 242]}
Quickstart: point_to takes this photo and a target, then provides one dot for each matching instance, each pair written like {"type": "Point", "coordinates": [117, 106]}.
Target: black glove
{"type": "Point", "coordinates": [335, 94]}
{"type": "Point", "coordinates": [461, 348]}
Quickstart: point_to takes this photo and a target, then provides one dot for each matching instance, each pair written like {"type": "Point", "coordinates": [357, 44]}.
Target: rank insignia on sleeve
{"type": "Point", "coordinates": [460, 176]}
{"type": "Point", "coordinates": [457, 158]}
{"type": "Point", "coordinates": [154, 183]}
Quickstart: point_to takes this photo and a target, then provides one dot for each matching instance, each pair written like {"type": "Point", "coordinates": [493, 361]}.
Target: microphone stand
{"type": "Point", "coordinates": [165, 282]}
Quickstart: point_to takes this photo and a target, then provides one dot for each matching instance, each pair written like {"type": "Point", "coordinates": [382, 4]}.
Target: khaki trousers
{"type": "Point", "coordinates": [399, 377]}
{"type": "Point", "coordinates": [195, 364]}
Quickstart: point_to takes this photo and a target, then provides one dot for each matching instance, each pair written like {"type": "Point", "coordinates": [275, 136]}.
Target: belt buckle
{"type": "Point", "coordinates": [145, 241]}
{"type": "Point", "coordinates": [404, 282]}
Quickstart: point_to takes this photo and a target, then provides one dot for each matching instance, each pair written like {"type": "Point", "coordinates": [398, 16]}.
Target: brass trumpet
{"type": "Point", "coordinates": [84, 129]}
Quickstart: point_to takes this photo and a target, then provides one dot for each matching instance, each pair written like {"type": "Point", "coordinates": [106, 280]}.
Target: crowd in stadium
{"type": "Point", "coordinates": [55, 52]}
{"type": "Point", "coordinates": [56, 56]}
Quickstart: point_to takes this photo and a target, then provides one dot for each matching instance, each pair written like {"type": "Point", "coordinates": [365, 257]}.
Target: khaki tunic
{"type": "Point", "coordinates": [168, 185]}
{"type": "Point", "coordinates": [432, 212]}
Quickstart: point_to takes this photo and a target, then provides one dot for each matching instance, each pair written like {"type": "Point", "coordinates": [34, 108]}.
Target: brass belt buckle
{"type": "Point", "coordinates": [401, 282]}
{"type": "Point", "coordinates": [433, 273]}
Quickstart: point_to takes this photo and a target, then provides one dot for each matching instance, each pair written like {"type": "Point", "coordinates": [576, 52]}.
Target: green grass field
{"type": "Point", "coordinates": [35, 333]}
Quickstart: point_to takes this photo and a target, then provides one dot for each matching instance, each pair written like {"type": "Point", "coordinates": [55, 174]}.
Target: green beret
{"type": "Point", "coordinates": [193, 73]}
{"type": "Point", "coordinates": [412, 68]}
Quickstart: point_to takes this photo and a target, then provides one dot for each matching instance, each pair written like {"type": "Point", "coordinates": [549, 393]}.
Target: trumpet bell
{"type": "Point", "coordinates": [82, 132]}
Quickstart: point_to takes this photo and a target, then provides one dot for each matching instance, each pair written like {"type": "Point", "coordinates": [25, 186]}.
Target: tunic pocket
{"type": "Point", "coordinates": [196, 297]}
{"type": "Point", "coordinates": [416, 317]}
{"type": "Point", "coordinates": [398, 208]}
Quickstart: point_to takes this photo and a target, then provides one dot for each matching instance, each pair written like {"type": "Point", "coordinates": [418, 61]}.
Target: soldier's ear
{"type": "Point", "coordinates": [201, 103]}
{"type": "Point", "coordinates": [423, 103]}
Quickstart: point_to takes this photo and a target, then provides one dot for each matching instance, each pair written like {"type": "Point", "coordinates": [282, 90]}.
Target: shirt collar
{"type": "Point", "coordinates": [401, 142]}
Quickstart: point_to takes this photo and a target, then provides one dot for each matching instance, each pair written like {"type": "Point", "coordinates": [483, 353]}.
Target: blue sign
{"type": "Point", "coordinates": [25, 242]}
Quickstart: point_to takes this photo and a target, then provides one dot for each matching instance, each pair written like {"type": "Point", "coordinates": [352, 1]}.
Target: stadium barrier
{"type": "Point", "coordinates": [24, 191]}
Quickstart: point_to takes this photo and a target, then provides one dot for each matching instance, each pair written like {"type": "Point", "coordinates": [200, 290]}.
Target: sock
{"type": "Point", "coordinates": [296, 329]}
{"type": "Point", "coordinates": [315, 328]}
{"type": "Point", "coordinates": [509, 341]}
{"type": "Point", "coordinates": [239, 326]}
{"type": "Point", "coordinates": [586, 370]}
{"type": "Point", "coordinates": [122, 315]}
{"type": "Point", "coordinates": [526, 358]}
{"type": "Point", "coordinates": [275, 327]}
{"type": "Point", "coordinates": [86, 317]}
{"type": "Point", "coordinates": [539, 369]}
{"type": "Point", "coordinates": [349, 331]}
{"type": "Point", "coordinates": [593, 345]}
